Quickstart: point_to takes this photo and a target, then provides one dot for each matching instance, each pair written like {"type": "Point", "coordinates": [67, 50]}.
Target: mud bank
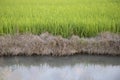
{"type": "Point", "coordinates": [47, 44]}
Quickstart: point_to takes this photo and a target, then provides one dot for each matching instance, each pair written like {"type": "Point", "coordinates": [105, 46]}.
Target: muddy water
{"type": "Point", "coordinates": [79, 67]}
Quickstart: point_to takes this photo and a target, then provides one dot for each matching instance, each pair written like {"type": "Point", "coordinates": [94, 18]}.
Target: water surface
{"type": "Point", "coordinates": [79, 67]}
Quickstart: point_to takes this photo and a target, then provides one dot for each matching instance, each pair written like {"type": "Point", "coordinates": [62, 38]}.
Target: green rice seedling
{"type": "Point", "coordinates": [84, 18]}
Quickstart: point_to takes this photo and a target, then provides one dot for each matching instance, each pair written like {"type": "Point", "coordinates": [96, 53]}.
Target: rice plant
{"type": "Point", "coordinates": [84, 18]}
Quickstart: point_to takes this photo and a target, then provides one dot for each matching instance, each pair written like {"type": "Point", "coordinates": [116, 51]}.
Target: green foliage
{"type": "Point", "coordinates": [60, 17]}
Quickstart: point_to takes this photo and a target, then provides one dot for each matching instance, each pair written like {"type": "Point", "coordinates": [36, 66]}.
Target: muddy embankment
{"type": "Point", "coordinates": [47, 44]}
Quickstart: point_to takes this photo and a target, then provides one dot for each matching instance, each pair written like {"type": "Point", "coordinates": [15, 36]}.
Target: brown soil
{"type": "Point", "coordinates": [47, 44]}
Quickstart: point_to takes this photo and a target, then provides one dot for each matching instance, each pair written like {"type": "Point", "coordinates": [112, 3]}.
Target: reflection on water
{"type": "Point", "coordinates": [46, 72]}
{"type": "Point", "coordinates": [64, 68]}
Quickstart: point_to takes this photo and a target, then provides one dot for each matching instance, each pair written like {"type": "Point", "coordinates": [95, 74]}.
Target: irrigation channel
{"type": "Point", "coordinates": [76, 67]}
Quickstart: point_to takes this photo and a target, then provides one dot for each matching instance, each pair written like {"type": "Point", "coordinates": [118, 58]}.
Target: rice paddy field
{"type": "Point", "coordinates": [84, 18]}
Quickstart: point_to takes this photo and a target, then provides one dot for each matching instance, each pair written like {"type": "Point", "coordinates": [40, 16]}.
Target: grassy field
{"type": "Point", "coordinates": [60, 17]}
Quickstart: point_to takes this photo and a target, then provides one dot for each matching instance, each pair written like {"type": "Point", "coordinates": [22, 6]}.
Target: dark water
{"type": "Point", "coordinates": [79, 67]}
